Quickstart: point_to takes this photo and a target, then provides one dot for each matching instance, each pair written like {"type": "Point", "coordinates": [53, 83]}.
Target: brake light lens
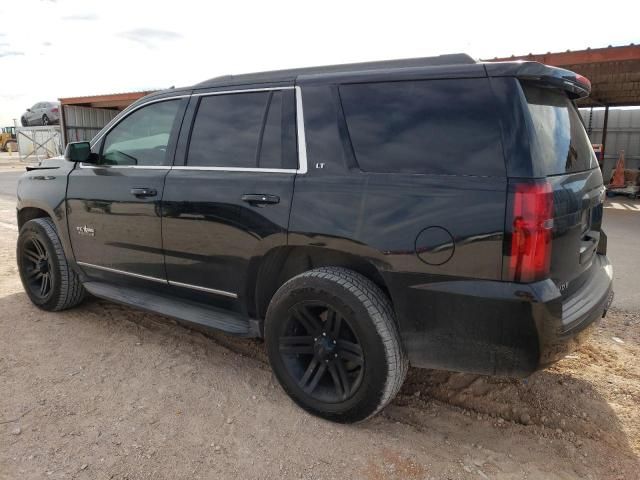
{"type": "Point", "coordinates": [531, 231]}
{"type": "Point", "coordinates": [584, 81]}
{"type": "Point", "coordinates": [54, 109]}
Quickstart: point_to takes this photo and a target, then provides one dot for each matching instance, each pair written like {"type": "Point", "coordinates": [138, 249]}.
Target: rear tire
{"type": "Point", "coordinates": [45, 120]}
{"type": "Point", "coordinates": [334, 345]}
{"type": "Point", "coordinates": [45, 273]}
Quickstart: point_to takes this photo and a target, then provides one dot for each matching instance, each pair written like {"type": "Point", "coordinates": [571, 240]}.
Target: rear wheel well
{"type": "Point", "coordinates": [29, 213]}
{"type": "Point", "coordinates": [285, 263]}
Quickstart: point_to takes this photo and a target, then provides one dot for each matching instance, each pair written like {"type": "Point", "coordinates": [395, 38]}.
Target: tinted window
{"type": "Point", "coordinates": [227, 129]}
{"type": "Point", "coordinates": [245, 130]}
{"type": "Point", "coordinates": [271, 150]}
{"type": "Point", "coordinates": [559, 141]}
{"type": "Point", "coordinates": [142, 137]}
{"type": "Point", "coordinates": [428, 126]}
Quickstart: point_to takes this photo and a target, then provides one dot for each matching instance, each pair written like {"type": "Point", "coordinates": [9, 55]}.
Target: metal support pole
{"type": "Point", "coordinates": [604, 131]}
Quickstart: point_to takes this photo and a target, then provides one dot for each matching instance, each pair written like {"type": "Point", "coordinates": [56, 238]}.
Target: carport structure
{"type": "Point", "coordinates": [614, 73]}
{"type": "Point", "coordinates": [83, 117]}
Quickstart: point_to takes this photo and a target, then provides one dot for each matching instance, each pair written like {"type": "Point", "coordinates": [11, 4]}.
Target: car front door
{"type": "Point", "coordinates": [32, 114]}
{"type": "Point", "coordinates": [229, 202]}
{"type": "Point", "coordinates": [114, 206]}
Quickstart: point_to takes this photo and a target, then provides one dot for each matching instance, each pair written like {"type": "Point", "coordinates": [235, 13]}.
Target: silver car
{"type": "Point", "coordinates": [42, 113]}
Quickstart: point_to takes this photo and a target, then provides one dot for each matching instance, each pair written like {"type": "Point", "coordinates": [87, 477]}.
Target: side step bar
{"type": "Point", "coordinates": [180, 309]}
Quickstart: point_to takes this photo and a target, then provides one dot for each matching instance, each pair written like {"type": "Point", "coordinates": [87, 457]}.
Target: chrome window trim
{"type": "Point", "coordinates": [300, 131]}
{"type": "Point", "coordinates": [146, 167]}
{"type": "Point", "coordinates": [241, 90]}
{"type": "Point", "coordinates": [238, 169]}
{"type": "Point", "coordinates": [203, 289]}
{"type": "Point", "coordinates": [122, 272]}
{"type": "Point", "coordinates": [302, 136]}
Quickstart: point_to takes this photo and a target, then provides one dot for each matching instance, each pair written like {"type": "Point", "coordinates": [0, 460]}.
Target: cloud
{"type": "Point", "coordinates": [46, 44]}
{"type": "Point", "coordinates": [81, 17]}
{"type": "Point", "coordinates": [10, 53]}
{"type": "Point", "coordinates": [150, 37]}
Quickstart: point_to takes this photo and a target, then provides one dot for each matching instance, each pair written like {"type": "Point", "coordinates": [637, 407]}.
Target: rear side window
{"type": "Point", "coordinates": [559, 142]}
{"type": "Point", "coordinates": [271, 150]}
{"type": "Point", "coordinates": [243, 130]}
{"type": "Point", "coordinates": [227, 129]}
{"type": "Point", "coordinates": [444, 127]}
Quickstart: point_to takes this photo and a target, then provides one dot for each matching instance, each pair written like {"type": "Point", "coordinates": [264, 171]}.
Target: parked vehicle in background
{"type": "Point", "coordinates": [8, 139]}
{"type": "Point", "coordinates": [437, 211]}
{"type": "Point", "coordinates": [42, 113]}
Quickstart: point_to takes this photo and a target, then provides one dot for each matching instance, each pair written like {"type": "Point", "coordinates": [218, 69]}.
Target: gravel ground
{"type": "Point", "coordinates": [108, 392]}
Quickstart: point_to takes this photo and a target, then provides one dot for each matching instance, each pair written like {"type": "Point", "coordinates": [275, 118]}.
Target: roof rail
{"type": "Point", "coordinates": [277, 75]}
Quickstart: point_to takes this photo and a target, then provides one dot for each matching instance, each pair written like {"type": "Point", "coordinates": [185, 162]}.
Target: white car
{"type": "Point", "coordinates": [42, 113]}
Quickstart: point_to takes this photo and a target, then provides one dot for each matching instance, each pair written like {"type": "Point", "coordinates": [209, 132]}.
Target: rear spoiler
{"type": "Point", "coordinates": [576, 85]}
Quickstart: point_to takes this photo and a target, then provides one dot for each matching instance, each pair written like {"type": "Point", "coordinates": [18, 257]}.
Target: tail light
{"type": "Point", "coordinates": [531, 229]}
{"type": "Point", "coordinates": [581, 79]}
{"type": "Point", "coordinates": [54, 109]}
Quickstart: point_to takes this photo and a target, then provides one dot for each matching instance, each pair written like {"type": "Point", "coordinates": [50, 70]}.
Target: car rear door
{"type": "Point", "coordinates": [227, 200]}
{"type": "Point", "coordinates": [114, 206]}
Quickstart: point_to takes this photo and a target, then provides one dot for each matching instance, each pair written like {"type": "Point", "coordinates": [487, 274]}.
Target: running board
{"type": "Point", "coordinates": [184, 310]}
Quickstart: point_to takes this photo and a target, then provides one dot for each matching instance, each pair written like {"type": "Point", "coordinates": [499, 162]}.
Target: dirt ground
{"type": "Point", "coordinates": [107, 392]}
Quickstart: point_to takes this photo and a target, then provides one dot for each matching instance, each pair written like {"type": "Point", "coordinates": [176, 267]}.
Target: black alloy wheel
{"type": "Point", "coordinates": [37, 265]}
{"type": "Point", "coordinates": [321, 352]}
{"type": "Point", "coordinates": [333, 344]}
{"type": "Point", "coordinates": [49, 281]}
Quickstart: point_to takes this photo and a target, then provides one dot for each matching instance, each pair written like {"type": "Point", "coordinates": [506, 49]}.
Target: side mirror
{"type": "Point", "coordinates": [28, 109]}
{"type": "Point", "coordinates": [80, 152]}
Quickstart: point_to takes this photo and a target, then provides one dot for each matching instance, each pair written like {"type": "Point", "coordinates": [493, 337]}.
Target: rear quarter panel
{"type": "Point", "coordinates": [378, 217]}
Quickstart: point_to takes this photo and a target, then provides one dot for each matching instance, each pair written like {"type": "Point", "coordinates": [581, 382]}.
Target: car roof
{"type": "Point", "coordinates": [441, 66]}
{"type": "Point", "coordinates": [292, 74]}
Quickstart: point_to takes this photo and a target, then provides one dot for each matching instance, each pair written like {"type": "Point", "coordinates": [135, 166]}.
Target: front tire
{"type": "Point", "coordinates": [334, 345]}
{"type": "Point", "coordinates": [45, 273]}
{"type": "Point", "coordinates": [45, 120]}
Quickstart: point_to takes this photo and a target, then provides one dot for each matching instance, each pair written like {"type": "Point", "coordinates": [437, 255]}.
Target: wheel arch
{"type": "Point", "coordinates": [29, 210]}
{"type": "Point", "coordinates": [29, 213]}
{"type": "Point", "coordinates": [281, 264]}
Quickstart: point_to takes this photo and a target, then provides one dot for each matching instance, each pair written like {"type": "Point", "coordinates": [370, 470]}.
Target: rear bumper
{"type": "Point", "coordinates": [498, 328]}
{"type": "Point", "coordinates": [563, 324]}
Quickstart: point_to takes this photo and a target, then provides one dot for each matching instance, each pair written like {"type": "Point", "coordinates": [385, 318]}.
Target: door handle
{"type": "Point", "coordinates": [260, 199]}
{"type": "Point", "coordinates": [142, 192]}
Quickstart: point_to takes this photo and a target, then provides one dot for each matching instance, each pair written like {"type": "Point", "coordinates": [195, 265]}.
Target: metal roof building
{"type": "Point", "coordinates": [83, 117]}
{"type": "Point", "coordinates": [614, 73]}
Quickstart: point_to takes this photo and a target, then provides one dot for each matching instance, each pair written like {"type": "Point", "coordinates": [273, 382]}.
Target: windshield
{"type": "Point", "coordinates": [559, 141]}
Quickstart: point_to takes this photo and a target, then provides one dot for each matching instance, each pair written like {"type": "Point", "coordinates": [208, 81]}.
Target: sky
{"type": "Point", "coordinates": [62, 48]}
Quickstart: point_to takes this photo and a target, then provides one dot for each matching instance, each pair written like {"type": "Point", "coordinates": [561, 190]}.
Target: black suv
{"type": "Point", "coordinates": [438, 211]}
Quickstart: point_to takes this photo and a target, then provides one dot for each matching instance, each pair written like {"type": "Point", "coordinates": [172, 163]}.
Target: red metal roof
{"type": "Point", "coordinates": [113, 100]}
{"type": "Point", "coordinates": [614, 71]}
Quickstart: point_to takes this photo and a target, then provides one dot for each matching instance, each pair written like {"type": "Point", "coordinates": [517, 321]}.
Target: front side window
{"type": "Point", "coordinates": [141, 139]}
{"type": "Point", "coordinates": [243, 130]}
